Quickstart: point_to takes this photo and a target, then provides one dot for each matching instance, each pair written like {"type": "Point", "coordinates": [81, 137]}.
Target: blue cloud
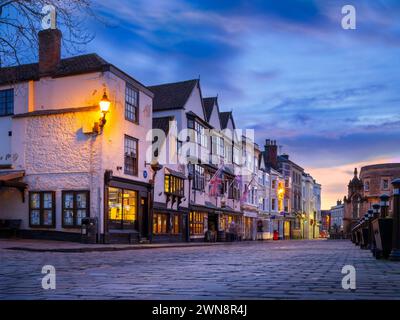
{"type": "Point", "coordinates": [286, 67]}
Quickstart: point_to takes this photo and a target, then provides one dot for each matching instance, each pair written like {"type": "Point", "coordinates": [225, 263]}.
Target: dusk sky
{"type": "Point", "coordinates": [329, 96]}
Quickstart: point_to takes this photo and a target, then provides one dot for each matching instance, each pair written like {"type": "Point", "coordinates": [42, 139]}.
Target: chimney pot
{"type": "Point", "coordinates": [49, 51]}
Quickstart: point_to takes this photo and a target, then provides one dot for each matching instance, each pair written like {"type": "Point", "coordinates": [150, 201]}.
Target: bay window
{"type": "Point", "coordinates": [173, 185]}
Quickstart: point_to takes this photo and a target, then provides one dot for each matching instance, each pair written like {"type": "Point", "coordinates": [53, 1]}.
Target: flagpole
{"type": "Point", "coordinates": [222, 164]}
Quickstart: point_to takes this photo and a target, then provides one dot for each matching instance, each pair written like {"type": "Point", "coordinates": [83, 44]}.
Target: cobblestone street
{"type": "Point", "coordinates": [267, 270]}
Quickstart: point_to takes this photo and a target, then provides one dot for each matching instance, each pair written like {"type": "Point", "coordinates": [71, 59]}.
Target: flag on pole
{"type": "Point", "coordinates": [216, 181]}
{"type": "Point", "coordinates": [246, 190]}
{"type": "Point", "coordinates": [237, 179]}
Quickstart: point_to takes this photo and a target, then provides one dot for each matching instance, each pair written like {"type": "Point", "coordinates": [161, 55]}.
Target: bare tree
{"type": "Point", "coordinates": [20, 22]}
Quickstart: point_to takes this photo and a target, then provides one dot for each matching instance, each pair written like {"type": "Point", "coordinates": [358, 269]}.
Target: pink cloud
{"type": "Point", "coordinates": [333, 178]}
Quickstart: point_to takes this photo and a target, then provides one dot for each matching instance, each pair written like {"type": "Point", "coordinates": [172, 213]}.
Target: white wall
{"type": "Point", "coordinates": [56, 156]}
{"type": "Point", "coordinates": [20, 106]}
{"type": "Point", "coordinates": [55, 153]}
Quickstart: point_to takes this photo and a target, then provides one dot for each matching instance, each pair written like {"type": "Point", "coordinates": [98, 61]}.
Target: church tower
{"type": "Point", "coordinates": [353, 202]}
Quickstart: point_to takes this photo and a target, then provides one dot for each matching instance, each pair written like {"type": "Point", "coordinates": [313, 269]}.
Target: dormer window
{"type": "Point", "coordinates": [199, 131]}
{"type": "Point", "coordinates": [6, 102]}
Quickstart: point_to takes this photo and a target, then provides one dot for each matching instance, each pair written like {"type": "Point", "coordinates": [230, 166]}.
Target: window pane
{"type": "Point", "coordinates": [68, 200]}
{"type": "Point", "coordinates": [163, 223]}
{"type": "Point", "coordinates": [115, 204]}
{"type": "Point", "coordinates": [131, 156]}
{"type": "Point", "coordinates": [47, 217]}
{"type": "Point", "coordinates": [81, 200]}
{"type": "Point", "coordinates": [79, 216]}
{"type": "Point", "coordinates": [35, 200]}
{"type": "Point", "coordinates": [47, 200]}
{"type": "Point", "coordinates": [35, 217]}
{"type": "Point", "coordinates": [130, 201]}
{"type": "Point", "coordinates": [68, 218]}
{"type": "Point", "coordinates": [6, 102]}
{"type": "Point", "coordinates": [131, 103]}
{"type": "Point", "coordinates": [166, 182]}
{"type": "Point", "coordinates": [155, 223]}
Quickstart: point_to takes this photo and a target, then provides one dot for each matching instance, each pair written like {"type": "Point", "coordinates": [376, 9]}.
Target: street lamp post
{"type": "Point", "coordinates": [370, 216]}
{"type": "Point", "coordinates": [155, 167]}
{"type": "Point", "coordinates": [384, 205]}
{"type": "Point", "coordinates": [190, 178]}
{"type": "Point", "coordinates": [395, 254]}
{"type": "Point", "coordinates": [375, 215]}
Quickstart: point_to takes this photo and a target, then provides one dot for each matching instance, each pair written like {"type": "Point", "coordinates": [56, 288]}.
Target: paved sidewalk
{"type": "Point", "coordinates": [70, 247]}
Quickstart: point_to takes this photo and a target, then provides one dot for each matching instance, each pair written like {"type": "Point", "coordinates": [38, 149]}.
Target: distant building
{"type": "Point", "coordinates": [337, 215]}
{"type": "Point", "coordinates": [325, 222]}
{"type": "Point", "coordinates": [365, 190]}
{"type": "Point", "coordinates": [299, 198]}
{"type": "Point", "coordinates": [311, 207]}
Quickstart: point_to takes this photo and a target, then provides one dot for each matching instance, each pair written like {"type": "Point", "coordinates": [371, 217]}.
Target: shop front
{"type": "Point", "coordinates": [249, 225]}
{"type": "Point", "coordinates": [127, 211]}
{"type": "Point", "coordinates": [198, 225]}
{"type": "Point", "coordinates": [277, 222]}
{"type": "Point", "coordinates": [169, 225]}
{"type": "Point", "coordinates": [230, 226]}
{"type": "Point", "coordinates": [210, 223]}
{"type": "Point", "coordinates": [286, 230]}
{"type": "Point", "coordinates": [265, 228]}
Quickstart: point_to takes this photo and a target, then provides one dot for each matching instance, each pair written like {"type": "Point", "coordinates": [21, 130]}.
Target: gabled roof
{"type": "Point", "coordinates": [285, 158]}
{"type": "Point", "coordinates": [261, 161]}
{"type": "Point", "coordinates": [82, 64]}
{"type": "Point", "coordinates": [162, 124]}
{"type": "Point", "coordinates": [224, 118]}
{"type": "Point", "coordinates": [70, 66]}
{"type": "Point", "coordinates": [209, 106]}
{"type": "Point", "coordinates": [171, 96]}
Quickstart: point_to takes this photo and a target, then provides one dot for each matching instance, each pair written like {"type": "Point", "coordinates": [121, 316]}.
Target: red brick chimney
{"type": "Point", "coordinates": [271, 153]}
{"type": "Point", "coordinates": [49, 50]}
